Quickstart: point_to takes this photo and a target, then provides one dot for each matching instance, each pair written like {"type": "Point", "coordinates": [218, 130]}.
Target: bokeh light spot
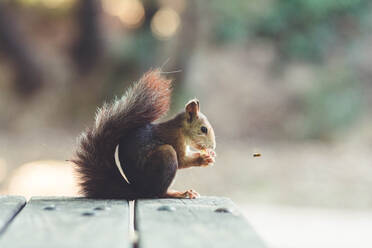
{"type": "Point", "coordinates": [165, 23]}
{"type": "Point", "coordinates": [43, 178]}
{"type": "Point", "coordinates": [130, 12]}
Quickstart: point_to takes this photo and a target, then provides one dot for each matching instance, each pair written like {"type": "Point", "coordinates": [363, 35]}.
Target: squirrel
{"type": "Point", "coordinates": [126, 139]}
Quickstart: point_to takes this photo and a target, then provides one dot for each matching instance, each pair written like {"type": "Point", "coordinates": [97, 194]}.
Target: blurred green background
{"type": "Point", "coordinates": [289, 79]}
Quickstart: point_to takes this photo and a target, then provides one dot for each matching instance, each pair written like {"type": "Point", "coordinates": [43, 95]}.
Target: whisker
{"type": "Point", "coordinates": [169, 72]}
{"type": "Point", "coordinates": [164, 64]}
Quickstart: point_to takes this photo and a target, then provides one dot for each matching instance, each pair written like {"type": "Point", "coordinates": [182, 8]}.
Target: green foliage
{"type": "Point", "coordinates": [303, 29]}
{"type": "Point", "coordinates": [309, 28]}
{"type": "Point", "coordinates": [233, 20]}
{"type": "Point", "coordinates": [230, 22]}
{"type": "Point", "coordinates": [334, 104]}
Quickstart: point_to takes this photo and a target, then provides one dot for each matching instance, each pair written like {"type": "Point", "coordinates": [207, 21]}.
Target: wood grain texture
{"type": "Point", "coordinates": [193, 223]}
{"type": "Point", "coordinates": [9, 207]}
{"type": "Point", "coordinates": [69, 222]}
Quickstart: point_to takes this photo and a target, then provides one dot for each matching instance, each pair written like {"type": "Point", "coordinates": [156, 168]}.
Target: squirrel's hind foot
{"type": "Point", "coordinates": [191, 194]}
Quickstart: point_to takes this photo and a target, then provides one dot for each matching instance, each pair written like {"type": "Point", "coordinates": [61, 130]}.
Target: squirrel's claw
{"type": "Point", "coordinates": [192, 194]}
{"type": "Point", "coordinates": [212, 153]}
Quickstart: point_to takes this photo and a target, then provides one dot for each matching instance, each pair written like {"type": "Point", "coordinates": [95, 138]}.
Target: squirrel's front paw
{"type": "Point", "coordinates": [205, 159]}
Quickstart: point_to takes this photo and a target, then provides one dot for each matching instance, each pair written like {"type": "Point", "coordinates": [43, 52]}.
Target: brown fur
{"type": "Point", "coordinates": [150, 154]}
{"type": "Point", "coordinates": [171, 133]}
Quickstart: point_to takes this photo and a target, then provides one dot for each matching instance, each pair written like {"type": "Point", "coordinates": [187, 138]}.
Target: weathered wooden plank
{"type": "Point", "coordinates": [9, 207]}
{"type": "Point", "coordinates": [203, 222]}
{"type": "Point", "coordinates": [69, 222]}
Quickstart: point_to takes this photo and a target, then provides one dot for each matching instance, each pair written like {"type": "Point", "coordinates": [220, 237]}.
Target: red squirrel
{"type": "Point", "coordinates": [126, 155]}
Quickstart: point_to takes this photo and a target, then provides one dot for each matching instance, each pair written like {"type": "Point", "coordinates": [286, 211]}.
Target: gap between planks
{"type": "Point", "coordinates": [133, 233]}
{"type": "Point", "coordinates": [6, 224]}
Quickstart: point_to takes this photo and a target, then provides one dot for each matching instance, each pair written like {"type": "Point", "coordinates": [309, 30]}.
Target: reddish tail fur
{"type": "Point", "coordinates": [146, 101]}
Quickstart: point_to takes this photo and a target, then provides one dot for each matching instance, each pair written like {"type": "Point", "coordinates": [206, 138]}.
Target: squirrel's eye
{"type": "Point", "coordinates": [204, 129]}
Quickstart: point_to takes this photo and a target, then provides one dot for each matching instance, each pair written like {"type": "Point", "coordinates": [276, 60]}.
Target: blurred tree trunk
{"type": "Point", "coordinates": [129, 68]}
{"type": "Point", "coordinates": [28, 73]}
{"type": "Point", "coordinates": [182, 51]}
{"type": "Point", "coordinates": [149, 45]}
{"type": "Point", "coordinates": [88, 48]}
{"type": "Point", "coordinates": [186, 43]}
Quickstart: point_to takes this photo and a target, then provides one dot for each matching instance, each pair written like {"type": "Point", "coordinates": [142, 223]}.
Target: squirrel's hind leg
{"type": "Point", "coordinates": [159, 171]}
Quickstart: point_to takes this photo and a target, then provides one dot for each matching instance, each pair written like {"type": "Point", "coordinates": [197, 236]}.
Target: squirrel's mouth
{"type": "Point", "coordinates": [199, 147]}
{"type": "Point", "coordinates": [202, 147]}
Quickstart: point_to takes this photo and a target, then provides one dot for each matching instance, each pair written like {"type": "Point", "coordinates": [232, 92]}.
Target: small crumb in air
{"type": "Point", "coordinates": [256, 155]}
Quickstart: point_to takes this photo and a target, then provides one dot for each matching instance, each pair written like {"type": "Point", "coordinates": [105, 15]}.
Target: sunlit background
{"type": "Point", "coordinates": [289, 79]}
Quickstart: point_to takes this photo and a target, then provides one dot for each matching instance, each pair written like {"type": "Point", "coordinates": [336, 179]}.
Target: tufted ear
{"type": "Point", "coordinates": [192, 109]}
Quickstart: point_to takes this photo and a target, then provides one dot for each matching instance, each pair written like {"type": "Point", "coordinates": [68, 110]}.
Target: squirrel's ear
{"type": "Point", "coordinates": [192, 109]}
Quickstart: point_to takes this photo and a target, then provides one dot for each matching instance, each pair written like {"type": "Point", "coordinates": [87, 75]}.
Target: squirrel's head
{"type": "Point", "coordinates": [197, 129]}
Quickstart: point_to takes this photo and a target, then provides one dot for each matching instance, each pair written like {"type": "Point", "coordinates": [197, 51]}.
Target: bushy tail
{"type": "Point", "coordinates": [146, 101]}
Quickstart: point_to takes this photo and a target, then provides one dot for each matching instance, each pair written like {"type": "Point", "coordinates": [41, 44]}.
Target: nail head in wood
{"type": "Point", "coordinates": [223, 210]}
{"type": "Point", "coordinates": [167, 208]}
{"type": "Point", "coordinates": [88, 213]}
{"type": "Point", "coordinates": [101, 208]}
{"type": "Point", "coordinates": [50, 208]}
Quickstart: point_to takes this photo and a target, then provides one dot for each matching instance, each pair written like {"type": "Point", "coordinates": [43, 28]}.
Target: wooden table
{"type": "Point", "coordinates": [81, 222]}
